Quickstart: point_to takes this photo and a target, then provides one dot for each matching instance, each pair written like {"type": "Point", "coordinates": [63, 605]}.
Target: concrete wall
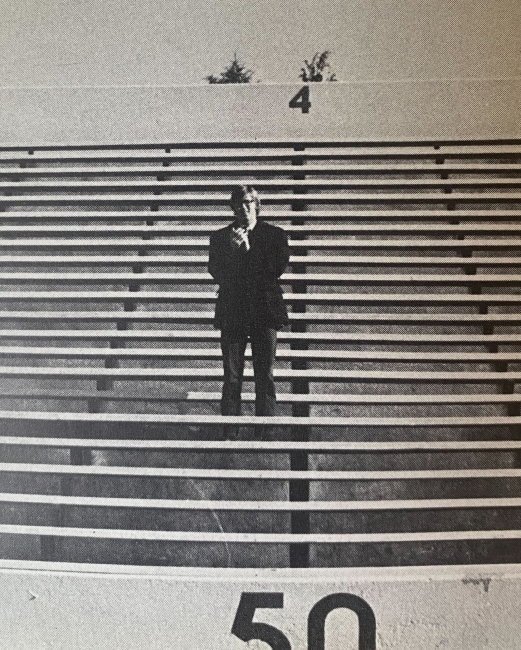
{"type": "Point", "coordinates": [429, 608]}
{"type": "Point", "coordinates": [385, 111]}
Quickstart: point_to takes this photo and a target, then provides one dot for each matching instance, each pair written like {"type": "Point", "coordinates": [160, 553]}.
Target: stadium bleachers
{"type": "Point", "coordinates": [398, 435]}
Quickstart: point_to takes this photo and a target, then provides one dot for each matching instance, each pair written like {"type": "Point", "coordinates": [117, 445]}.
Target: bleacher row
{"type": "Point", "coordinates": [398, 439]}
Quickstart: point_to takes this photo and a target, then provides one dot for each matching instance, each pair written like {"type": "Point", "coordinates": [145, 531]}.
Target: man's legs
{"type": "Point", "coordinates": [263, 347]}
{"type": "Point", "coordinates": [233, 346]}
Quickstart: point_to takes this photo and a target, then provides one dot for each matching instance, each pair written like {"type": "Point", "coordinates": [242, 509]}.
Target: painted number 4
{"type": "Point", "coordinates": [245, 629]}
{"type": "Point", "coordinates": [301, 100]}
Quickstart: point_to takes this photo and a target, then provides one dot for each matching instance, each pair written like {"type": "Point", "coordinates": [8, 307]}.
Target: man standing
{"type": "Point", "coordinates": [246, 260]}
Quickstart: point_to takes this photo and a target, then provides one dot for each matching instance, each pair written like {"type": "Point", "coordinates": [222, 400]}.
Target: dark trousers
{"type": "Point", "coordinates": [263, 347]}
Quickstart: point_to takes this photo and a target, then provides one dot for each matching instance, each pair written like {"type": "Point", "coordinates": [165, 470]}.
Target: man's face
{"type": "Point", "coordinates": [246, 211]}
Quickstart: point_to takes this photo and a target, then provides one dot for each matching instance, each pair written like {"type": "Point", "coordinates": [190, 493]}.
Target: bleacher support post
{"type": "Point", "coordinates": [49, 549]}
{"type": "Point", "coordinates": [299, 490]}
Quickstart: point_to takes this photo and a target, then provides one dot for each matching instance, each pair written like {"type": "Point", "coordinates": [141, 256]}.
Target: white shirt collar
{"type": "Point", "coordinates": [247, 229]}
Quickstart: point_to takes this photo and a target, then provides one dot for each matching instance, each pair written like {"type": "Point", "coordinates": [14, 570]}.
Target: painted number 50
{"type": "Point", "coordinates": [245, 629]}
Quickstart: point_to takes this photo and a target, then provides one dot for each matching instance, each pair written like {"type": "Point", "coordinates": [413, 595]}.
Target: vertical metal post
{"type": "Point", "coordinates": [513, 408]}
{"type": "Point", "coordinates": [469, 270]}
{"type": "Point", "coordinates": [49, 544]}
{"type": "Point", "coordinates": [299, 489]}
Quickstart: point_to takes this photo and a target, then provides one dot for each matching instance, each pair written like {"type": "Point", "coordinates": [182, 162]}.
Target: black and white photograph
{"type": "Point", "coordinates": [260, 325]}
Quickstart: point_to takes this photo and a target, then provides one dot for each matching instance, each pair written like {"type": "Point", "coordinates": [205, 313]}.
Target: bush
{"type": "Point", "coordinates": [316, 69]}
{"type": "Point", "coordinates": [235, 73]}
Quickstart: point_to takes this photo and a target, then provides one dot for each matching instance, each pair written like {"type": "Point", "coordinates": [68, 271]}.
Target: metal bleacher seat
{"type": "Point", "coordinates": [398, 435]}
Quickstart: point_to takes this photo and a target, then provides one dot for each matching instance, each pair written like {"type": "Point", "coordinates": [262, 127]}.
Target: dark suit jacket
{"type": "Point", "coordinates": [249, 291]}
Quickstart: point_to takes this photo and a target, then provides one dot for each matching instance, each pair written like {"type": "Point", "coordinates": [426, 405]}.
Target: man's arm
{"type": "Point", "coordinates": [215, 260]}
{"type": "Point", "coordinates": [282, 252]}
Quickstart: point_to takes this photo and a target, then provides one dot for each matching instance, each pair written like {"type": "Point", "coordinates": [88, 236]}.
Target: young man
{"type": "Point", "coordinates": [246, 260]}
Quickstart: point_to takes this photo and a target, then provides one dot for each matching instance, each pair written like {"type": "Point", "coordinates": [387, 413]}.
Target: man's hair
{"type": "Point", "coordinates": [240, 192]}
